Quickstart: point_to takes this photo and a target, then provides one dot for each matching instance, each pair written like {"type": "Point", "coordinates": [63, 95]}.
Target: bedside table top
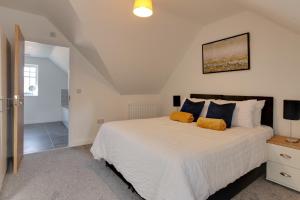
{"type": "Point", "coordinates": [280, 140]}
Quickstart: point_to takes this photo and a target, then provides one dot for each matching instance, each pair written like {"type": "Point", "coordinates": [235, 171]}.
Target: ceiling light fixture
{"type": "Point", "coordinates": [143, 8]}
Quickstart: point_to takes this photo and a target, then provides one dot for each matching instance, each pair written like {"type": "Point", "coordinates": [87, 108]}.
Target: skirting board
{"type": "Point", "coordinates": [1, 181]}
{"type": "Point", "coordinates": [41, 121]}
{"type": "Point", "coordinates": [82, 142]}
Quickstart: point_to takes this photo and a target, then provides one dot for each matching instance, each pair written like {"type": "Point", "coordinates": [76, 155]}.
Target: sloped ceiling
{"type": "Point", "coordinates": [61, 57]}
{"type": "Point", "coordinates": [58, 55]}
{"type": "Point", "coordinates": [62, 15]}
{"type": "Point", "coordinates": [39, 50]}
{"type": "Point", "coordinates": [200, 11]}
{"type": "Point", "coordinates": [138, 55]}
{"type": "Point", "coordinates": [283, 12]}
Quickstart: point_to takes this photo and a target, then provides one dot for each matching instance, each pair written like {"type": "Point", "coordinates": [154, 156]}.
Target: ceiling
{"type": "Point", "coordinates": [138, 55]}
{"type": "Point", "coordinates": [63, 16]}
{"type": "Point", "coordinates": [285, 13]}
{"type": "Point", "coordinates": [39, 50]}
{"type": "Point", "coordinates": [200, 11]}
{"type": "Point", "coordinates": [58, 55]}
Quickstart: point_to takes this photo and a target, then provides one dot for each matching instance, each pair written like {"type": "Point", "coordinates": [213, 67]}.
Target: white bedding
{"type": "Point", "coordinates": [168, 160]}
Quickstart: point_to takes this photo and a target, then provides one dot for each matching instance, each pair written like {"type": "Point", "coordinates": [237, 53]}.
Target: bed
{"type": "Point", "coordinates": [167, 160]}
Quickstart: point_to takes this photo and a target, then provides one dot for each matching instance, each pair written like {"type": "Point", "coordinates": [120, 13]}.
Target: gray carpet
{"type": "Point", "coordinates": [72, 174]}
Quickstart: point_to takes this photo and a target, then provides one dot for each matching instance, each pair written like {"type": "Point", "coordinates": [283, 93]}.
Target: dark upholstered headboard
{"type": "Point", "coordinates": [267, 112]}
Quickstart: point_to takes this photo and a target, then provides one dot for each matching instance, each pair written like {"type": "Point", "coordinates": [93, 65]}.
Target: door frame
{"type": "Point", "coordinates": [68, 77]}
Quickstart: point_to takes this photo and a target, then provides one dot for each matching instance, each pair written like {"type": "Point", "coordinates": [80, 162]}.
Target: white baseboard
{"type": "Point", "coordinates": [81, 142]}
{"type": "Point", "coordinates": [1, 182]}
{"type": "Point", "coordinates": [41, 121]}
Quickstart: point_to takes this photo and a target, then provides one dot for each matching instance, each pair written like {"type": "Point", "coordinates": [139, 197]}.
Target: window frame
{"type": "Point", "coordinates": [32, 94]}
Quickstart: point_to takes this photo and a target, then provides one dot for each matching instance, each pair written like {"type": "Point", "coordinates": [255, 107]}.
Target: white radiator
{"type": "Point", "coordinates": [142, 111]}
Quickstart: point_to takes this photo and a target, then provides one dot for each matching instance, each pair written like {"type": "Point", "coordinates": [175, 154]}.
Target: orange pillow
{"type": "Point", "coordinates": [209, 123]}
{"type": "Point", "coordinates": [182, 117]}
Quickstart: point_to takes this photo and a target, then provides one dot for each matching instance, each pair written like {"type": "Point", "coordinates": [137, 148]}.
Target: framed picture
{"type": "Point", "coordinates": [229, 54]}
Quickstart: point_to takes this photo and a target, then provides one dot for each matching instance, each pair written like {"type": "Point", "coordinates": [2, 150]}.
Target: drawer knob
{"type": "Point", "coordinates": [285, 156]}
{"type": "Point", "coordinates": [285, 174]}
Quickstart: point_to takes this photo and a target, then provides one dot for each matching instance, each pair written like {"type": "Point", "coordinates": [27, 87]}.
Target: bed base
{"type": "Point", "coordinates": [226, 193]}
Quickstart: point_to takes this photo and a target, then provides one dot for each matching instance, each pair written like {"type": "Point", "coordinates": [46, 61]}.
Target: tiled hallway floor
{"type": "Point", "coordinates": [46, 136]}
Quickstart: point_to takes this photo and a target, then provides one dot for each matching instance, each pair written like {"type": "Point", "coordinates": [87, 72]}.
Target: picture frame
{"type": "Point", "coordinates": [226, 55]}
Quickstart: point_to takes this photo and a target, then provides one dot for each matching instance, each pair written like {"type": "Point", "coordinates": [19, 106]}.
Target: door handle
{"type": "Point", "coordinates": [18, 100]}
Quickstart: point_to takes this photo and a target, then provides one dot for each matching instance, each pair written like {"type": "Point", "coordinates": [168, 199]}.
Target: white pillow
{"type": "Point", "coordinates": [243, 114]}
{"type": "Point", "coordinates": [257, 113]}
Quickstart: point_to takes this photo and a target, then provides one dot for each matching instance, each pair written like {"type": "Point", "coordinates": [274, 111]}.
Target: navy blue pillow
{"type": "Point", "coordinates": [195, 108]}
{"type": "Point", "coordinates": [224, 111]}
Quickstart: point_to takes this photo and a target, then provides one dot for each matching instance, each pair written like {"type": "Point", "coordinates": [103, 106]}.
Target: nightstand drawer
{"type": "Point", "coordinates": [284, 175]}
{"type": "Point", "coordinates": [284, 155]}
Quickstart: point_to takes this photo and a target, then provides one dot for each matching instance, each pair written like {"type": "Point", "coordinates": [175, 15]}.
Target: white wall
{"type": "Point", "coordinates": [275, 66]}
{"type": "Point", "coordinates": [97, 99]}
{"type": "Point", "coordinates": [46, 107]}
{"type": "Point", "coordinates": [59, 55]}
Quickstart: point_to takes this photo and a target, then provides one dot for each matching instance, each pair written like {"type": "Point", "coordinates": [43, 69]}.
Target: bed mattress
{"type": "Point", "coordinates": [168, 160]}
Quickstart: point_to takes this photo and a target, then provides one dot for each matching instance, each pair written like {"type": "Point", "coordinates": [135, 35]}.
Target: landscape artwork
{"type": "Point", "coordinates": [230, 54]}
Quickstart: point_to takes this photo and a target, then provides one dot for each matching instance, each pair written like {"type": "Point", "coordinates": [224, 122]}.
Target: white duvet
{"type": "Point", "coordinates": [168, 160]}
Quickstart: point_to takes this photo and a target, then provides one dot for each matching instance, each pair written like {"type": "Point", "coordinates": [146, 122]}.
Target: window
{"type": "Point", "coordinates": [31, 80]}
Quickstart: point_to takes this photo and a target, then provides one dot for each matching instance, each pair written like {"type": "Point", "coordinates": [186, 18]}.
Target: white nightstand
{"type": "Point", "coordinates": [283, 165]}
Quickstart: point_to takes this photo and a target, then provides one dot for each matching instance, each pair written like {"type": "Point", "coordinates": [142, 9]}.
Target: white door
{"type": "Point", "coordinates": [3, 106]}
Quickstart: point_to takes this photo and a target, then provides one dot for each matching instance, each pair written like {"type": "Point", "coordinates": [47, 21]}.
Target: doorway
{"type": "Point", "coordinates": [46, 97]}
